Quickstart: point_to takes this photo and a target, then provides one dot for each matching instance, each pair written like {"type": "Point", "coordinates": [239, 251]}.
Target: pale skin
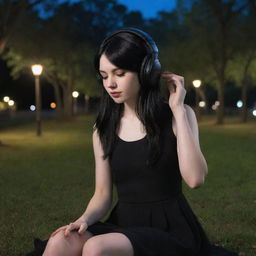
{"type": "Point", "coordinates": [73, 239]}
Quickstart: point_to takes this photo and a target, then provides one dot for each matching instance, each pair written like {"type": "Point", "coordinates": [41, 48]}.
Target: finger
{"type": "Point", "coordinates": [172, 88]}
{"type": "Point", "coordinates": [179, 79]}
{"type": "Point", "coordinates": [167, 72]}
{"type": "Point", "coordinates": [82, 229]}
{"type": "Point", "coordinates": [58, 230]}
{"type": "Point", "coordinates": [67, 231]}
{"type": "Point", "coordinates": [178, 82]}
{"type": "Point", "coordinates": [166, 75]}
{"type": "Point", "coordinates": [70, 227]}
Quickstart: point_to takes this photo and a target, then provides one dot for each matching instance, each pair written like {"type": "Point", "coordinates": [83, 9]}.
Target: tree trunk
{"type": "Point", "coordinates": [3, 43]}
{"type": "Point", "coordinates": [220, 109]}
{"type": "Point", "coordinates": [58, 99]}
{"type": "Point", "coordinates": [67, 102]}
{"type": "Point", "coordinates": [245, 87]}
{"type": "Point", "coordinates": [244, 100]}
{"type": "Point", "coordinates": [55, 82]}
{"type": "Point", "coordinates": [67, 95]}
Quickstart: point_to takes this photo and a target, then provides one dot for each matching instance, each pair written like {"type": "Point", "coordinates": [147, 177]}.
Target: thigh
{"type": "Point", "coordinates": [110, 244]}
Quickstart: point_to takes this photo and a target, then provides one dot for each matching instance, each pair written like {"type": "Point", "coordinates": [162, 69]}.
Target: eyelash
{"type": "Point", "coordinates": [120, 75]}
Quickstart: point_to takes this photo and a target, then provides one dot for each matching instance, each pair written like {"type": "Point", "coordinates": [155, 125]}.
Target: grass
{"type": "Point", "coordinates": [47, 182]}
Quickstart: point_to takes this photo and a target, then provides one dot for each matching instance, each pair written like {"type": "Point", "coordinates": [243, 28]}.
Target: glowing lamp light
{"type": "Point", "coordinates": [239, 104]}
{"type": "Point", "coordinates": [197, 83]}
{"type": "Point", "coordinates": [75, 94]}
{"type": "Point", "coordinates": [11, 103]}
{"type": "Point", "coordinates": [53, 105]}
{"type": "Point", "coordinates": [254, 112]}
{"type": "Point", "coordinates": [214, 107]}
{"type": "Point", "coordinates": [37, 69]}
{"type": "Point", "coordinates": [202, 104]}
{"type": "Point", "coordinates": [32, 107]}
{"type": "Point", "coordinates": [217, 103]}
{"type": "Point", "coordinates": [6, 99]}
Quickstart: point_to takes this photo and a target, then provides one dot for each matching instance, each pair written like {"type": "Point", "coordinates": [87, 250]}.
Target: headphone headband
{"type": "Point", "coordinates": [141, 34]}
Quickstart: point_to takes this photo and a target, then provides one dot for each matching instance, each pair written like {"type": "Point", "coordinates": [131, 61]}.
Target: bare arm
{"type": "Point", "coordinates": [96, 209]}
{"type": "Point", "coordinates": [101, 201]}
{"type": "Point", "coordinates": [192, 163]}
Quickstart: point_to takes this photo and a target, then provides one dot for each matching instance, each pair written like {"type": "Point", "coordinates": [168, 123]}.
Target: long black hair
{"type": "Point", "coordinates": [127, 51]}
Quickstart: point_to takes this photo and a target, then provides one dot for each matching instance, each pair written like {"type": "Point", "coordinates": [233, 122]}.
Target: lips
{"type": "Point", "coordinates": [115, 94]}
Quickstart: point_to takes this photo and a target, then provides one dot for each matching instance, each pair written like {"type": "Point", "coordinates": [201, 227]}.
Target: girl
{"type": "Point", "coordinates": [144, 145]}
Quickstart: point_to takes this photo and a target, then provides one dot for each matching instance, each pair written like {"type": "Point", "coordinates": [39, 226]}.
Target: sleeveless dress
{"type": "Point", "coordinates": [151, 210]}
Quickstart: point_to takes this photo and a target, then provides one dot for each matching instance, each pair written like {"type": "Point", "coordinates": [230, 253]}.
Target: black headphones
{"type": "Point", "coordinates": [150, 70]}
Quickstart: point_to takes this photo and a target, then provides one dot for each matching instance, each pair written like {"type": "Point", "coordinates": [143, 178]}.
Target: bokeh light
{"type": "Point", "coordinates": [75, 94]}
{"type": "Point", "coordinates": [53, 105]}
{"type": "Point", "coordinates": [11, 103]}
{"type": "Point", "coordinates": [202, 104]}
{"type": "Point", "coordinates": [239, 104]}
{"type": "Point", "coordinates": [6, 99]}
{"type": "Point", "coordinates": [32, 107]}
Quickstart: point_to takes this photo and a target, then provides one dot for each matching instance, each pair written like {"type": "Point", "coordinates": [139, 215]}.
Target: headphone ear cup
{"type": "Point", "coordinates": [145, 70]}
{"type": "Point", "coordinates": [150, 71]}
{"type": "Point", "coordinates": [155, 72]}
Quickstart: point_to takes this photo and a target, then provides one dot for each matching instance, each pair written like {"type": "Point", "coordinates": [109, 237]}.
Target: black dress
{"type": "Point", "coordinates": [151, 209]}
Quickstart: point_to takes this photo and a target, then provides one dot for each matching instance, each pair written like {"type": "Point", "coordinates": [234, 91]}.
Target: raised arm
{"type": "Point", "coordinates": [192, 163]}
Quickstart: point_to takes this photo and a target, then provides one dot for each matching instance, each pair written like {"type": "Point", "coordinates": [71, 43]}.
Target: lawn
{"type": "Point", "coordinates": [47, 182]}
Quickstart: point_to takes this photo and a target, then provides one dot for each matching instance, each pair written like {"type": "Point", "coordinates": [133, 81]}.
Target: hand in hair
{"type": "Point", "coordinates": [175, 85]}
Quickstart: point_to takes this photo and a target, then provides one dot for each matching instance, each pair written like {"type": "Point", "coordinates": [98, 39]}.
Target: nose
{"type": "Point", "coordinates": [111, 83]}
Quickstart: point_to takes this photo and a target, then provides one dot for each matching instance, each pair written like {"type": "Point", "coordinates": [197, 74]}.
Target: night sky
{"type": "Point", "coordinates": [149, 8]}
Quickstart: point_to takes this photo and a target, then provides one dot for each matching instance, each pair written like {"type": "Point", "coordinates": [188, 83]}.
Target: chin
{"type": "Point", "coordinates": [118, 101]}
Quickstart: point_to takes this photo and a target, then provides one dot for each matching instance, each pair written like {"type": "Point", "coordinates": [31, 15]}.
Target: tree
{"type": "Point", "coordinates": [243, 65]}
{"type": "Point", "coordinates": [61, 56]}
{"type": "Point", "coordinates": [65, 44]}
{"type": "Point", "coordinates": [213, 31]}
{"type": "Point", "coordinates": [178, 47]}
{"type": "Point", "coordinates": [12, 14]}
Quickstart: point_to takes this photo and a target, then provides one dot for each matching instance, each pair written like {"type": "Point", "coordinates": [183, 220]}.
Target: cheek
{"type": "Point", "coordinates": [133, 85]}
{"type": "Point", "coordinates": [104, 84]}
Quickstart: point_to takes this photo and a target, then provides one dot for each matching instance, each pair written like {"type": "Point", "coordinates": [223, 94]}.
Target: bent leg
{"type": "Point", "coordinates": [59, 245]}
{"type": "Point", "coordinates": [110, 244]}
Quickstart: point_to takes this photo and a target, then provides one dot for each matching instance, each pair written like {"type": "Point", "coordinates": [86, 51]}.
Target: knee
{"type": "Point", "coordinates": [93, 247]}
{"type": "Point", "coordinates": [54, 243]}
{"type": "Point", "coordinates": [57, 239]}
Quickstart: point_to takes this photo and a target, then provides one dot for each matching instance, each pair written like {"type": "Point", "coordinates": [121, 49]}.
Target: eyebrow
{"type": "Point", "coordinates": [113, 70]}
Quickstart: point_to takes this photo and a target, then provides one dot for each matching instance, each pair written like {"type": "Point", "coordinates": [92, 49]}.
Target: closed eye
{"type": "Point", "coordinates": [121, 74]}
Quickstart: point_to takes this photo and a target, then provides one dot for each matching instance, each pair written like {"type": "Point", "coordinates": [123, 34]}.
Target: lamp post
{"type": "Point", "coordinates": [75, 95]}
{"type": "Point", "coordinates": [197, 84]}
{"type": "Point", "coordinates": [37, 70]}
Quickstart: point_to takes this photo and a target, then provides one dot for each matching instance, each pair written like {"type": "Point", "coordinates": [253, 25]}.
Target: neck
{"type": "Point", "coordinates": [129, 110]}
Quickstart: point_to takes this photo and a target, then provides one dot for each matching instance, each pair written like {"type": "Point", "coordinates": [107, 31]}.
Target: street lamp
{"type": "Point", "coordinates": [37, 70]}
{"type": "Point", "coordinates": [6, 99]}
{"type": "Point", "coordinates": [197, 83]}
{"type": "Point", "coordinates": [75, 95]}
{"type": "Point", "coordinates": [11, 103]}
